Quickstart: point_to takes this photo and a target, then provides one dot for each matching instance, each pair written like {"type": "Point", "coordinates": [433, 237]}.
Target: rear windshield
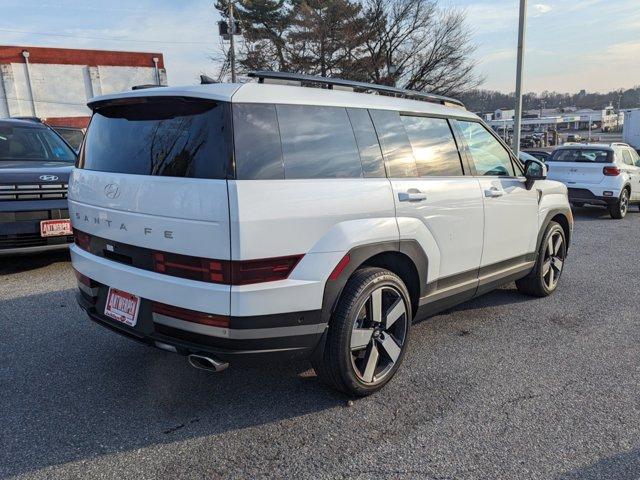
{"type": "Point", "coordinates": [585, 155]}
{"type": "Point", "coordinates": [168, 137]}
{"type": "Point", "coordinates": [37, 144]}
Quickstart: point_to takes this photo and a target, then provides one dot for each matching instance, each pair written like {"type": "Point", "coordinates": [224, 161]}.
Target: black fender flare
{"type": "Point", "coordinates": [564, 211]}
{"type": "Point", "coordinates": [359, 255]}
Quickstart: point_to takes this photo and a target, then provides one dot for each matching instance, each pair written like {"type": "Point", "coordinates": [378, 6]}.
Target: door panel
{"type": "Point", "coordinates": [510, 219]}
{"type": "Point", "coordinates": [450, 208]}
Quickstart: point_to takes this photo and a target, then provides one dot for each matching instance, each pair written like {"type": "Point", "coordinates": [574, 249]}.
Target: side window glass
{"type": "Point", "coordinates": [635, 157]}
{"type": "Point", "coordinates": [257, 142]}
{"type": "Point", "coordinates": [488, 155]}
{"type": "Point", "coordinates": [626, 155]}
{"type": "Point", "coordinates": [433, 145]}
{"type": "Point", "coordinates": [367, 140]}
{"type": "Point", "coordinates": [318, 142]}
{"type": "Point", "coordinates": [398, 154]}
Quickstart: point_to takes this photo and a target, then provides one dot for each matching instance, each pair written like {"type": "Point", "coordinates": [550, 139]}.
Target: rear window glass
{"type": "Point", "coordinates": [586, 155]}
{"type": "Point", "coordinates": [395, 144]}
{"type": "Point", "coordinates": [29, 143]}
{"type": "Point", "coordinates": [317, 142]}
{"type": "Point", "coordinates": [433, 145]}
{"type": "Point", "coordinates": [169, 137]}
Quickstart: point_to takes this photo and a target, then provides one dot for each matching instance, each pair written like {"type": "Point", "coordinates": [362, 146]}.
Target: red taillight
{"type": "Point", "coordinates": [82, 240]}
{"type": "Point", "coordinates": [611, 171]}
{"type": "Point", "coordinates": [190, 315]}
{"type": "Point", "coordinates": [264, 270]}
{"type": "Point", "coordinates": [223, 271]}
{"type": "Point", "coordinates": [194, 268]}
{"type": "Point", "coordinates": [342, 264]}
{"type": "Point", "coordinates": [83, 279]}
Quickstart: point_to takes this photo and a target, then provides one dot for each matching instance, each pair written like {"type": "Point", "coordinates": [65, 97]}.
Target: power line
{"type": "Point", "coordinates": [48, 34]}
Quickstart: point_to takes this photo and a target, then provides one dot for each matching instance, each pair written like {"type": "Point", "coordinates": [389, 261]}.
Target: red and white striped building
{"type": "Point", "coordinates": [55, 83]}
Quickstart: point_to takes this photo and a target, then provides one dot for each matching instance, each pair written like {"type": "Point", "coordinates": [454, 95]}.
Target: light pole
{"type": "Point", "coordinates": [522, 26]}
{"type": "Point", "coordinates": [232, 46]}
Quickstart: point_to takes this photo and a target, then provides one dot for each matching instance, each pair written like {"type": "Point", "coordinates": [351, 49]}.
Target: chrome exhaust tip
{"type": "Point", "coordinates": [207, 363]}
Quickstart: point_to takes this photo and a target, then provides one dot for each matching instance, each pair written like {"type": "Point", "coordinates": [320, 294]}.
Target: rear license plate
{"type": "Point", "coordinates": [122, 306]}
{"type": "Point", "coordinates": [55, 228]}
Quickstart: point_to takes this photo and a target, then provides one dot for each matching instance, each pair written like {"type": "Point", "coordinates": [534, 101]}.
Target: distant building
{"type": "Point", "coordinates": [567, 119]}
{"type": "Point", "coordinates": [504, 114]}
{"type": "Point", "coordinates": [56, 83]}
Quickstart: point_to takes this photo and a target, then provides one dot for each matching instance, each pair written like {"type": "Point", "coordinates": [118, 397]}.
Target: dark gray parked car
{"type": "Point", "coordinates": [35, 164]}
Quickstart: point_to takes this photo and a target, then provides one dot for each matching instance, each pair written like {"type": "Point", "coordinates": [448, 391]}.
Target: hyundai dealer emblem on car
{"type": "Point", "coordinates": [48, 178]}
{"type": "Point", "coordinates": [112, 191]}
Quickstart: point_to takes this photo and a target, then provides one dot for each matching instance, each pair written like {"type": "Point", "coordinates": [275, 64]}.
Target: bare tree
{"type": "Point", "coordinates": [412, 43]}
{"type": "Point", "coordinates": [419, 46]}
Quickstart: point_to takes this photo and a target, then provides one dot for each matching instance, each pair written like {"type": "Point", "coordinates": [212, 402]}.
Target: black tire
{"type": "Point", "coordinates": [619, 209]}
{"type": "Point", "coordinates": [340, 366]}
{"type": "Point", "coordinates": [542, 281]}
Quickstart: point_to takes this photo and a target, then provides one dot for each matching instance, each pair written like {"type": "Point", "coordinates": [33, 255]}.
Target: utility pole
{"type": "Point", "coordinates": [522, 26]}
{"type": "Point", "coordinates": [232, 46]}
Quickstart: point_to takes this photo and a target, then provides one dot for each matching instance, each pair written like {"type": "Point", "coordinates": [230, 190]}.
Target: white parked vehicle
{"type": "Point", "coordinates": [598, 174]}
{"type": "Point", "coordinates": [225, 221]}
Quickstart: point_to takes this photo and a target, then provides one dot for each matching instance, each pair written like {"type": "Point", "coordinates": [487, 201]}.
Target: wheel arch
{"type": "Point", "coordinates": [564, 217]}
{"type": "Point", "coordinates": [404, 258]}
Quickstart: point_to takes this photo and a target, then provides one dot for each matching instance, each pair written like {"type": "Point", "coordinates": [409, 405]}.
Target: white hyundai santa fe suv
{"type": "Point", "coordinates": [598, 174]}
{"type": "Point", "coordinates": [248, 220]}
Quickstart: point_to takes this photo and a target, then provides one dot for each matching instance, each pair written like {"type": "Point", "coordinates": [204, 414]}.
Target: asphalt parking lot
{"type": "Point", "coordinates": [503, 387]}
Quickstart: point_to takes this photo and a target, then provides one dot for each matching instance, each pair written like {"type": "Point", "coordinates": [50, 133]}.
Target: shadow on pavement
{"type": "Point", "coordinates": [26, 262]}
{"type": "Point", "coordinates": [591, 213]}
{"type": "Point", "coordinates": [73, 390]}
{"type": "Point", "coordinates": [623, 466]}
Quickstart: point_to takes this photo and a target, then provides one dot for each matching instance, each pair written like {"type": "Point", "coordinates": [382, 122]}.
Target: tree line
{"type": "Point", "coordinates": [490, 100]}
{"type": "Point", "coordinates": [414, 44]}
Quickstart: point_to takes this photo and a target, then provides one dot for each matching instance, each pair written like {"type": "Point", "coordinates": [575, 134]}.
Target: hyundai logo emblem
{"type": "Point", "coordinates": [112, 191]}
{"type": "Point", "coordinates": [48, 178]}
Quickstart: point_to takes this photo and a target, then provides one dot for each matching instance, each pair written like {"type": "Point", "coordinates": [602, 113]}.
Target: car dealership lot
{"type": "Point", "coordinates": [504, 386]}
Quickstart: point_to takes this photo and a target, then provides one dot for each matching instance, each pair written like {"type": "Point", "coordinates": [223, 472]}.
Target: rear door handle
{"type": "Point", "coordinates": [493, 192]}
{"type": "Point", "coordinates": [412, 195]}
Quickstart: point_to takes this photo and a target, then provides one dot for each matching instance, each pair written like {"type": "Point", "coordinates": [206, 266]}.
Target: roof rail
{"type": "Point", "coordinates": [362, 86]}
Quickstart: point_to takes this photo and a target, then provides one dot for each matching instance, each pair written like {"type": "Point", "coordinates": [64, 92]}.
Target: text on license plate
{"type": "Point", "coordinates": [55, 228]}
{"type": "Point", "coordinates": [122, 306]}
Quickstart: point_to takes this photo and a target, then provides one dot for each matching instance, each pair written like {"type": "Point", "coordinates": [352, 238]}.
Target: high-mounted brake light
{"type": "Point", "coordinates": [611, 171]}
{"type": "Point", "coordinates": [190, 315]}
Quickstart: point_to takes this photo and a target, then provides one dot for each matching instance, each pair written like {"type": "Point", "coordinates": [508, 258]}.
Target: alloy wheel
{"type": "Point", "coordinates": [378, 335]}
{"type": "Point", "coordinates": [553, 260]}
{"type": "Point", "coordinates": [624, 203]}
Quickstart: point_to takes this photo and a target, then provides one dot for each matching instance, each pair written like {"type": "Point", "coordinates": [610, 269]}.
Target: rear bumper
{"type": "Point", "coordinates": [584, 195]}
{"type": "Point", "coordinates": [284, 336]}
{"type": "Point", "coordinates": [20, 226]}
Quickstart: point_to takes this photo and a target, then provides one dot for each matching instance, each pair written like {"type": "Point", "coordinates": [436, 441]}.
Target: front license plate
{"type": "Point", "coordinates": [55, 228]}
{"type": "Point", "coordinates": [122, 306]}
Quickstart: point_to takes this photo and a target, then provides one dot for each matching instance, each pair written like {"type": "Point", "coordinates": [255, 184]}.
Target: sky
{"type": "Point", "coordinates": [570, 44]}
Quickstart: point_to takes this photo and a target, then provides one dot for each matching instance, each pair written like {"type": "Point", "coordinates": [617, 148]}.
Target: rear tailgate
{"type": "Point", "coordinates": [576, 172]}
{"type": "Point", "coordinates": [153, 182]}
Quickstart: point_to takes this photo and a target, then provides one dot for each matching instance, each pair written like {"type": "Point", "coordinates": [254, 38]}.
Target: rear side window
{"type": "Point", "coordinates": [488, 155]}
{"type": "Point", "coordinates": [627, 157]}
{"type": "Point", "coordinates": [367, 140]}
{"type": "Point", "coordinates": [169, 137]}
{"type": "Point", "coordinates": [257, 142]}
{"type": "Point", "coordinates": [433, 145]}
{"type": "Point", "coordinates": [395, 144]}
{"type": "Point", "coordinates": [583, 155]}
{"type": "Point", "coordinates": [317, 142]}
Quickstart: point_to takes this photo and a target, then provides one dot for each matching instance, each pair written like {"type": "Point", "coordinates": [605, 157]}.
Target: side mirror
{"type": "Point", "coordinates": [534, 170]}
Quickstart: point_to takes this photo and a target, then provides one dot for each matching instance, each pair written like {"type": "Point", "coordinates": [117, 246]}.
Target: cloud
{"type": "Point", "coordinates": [541, 9]}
